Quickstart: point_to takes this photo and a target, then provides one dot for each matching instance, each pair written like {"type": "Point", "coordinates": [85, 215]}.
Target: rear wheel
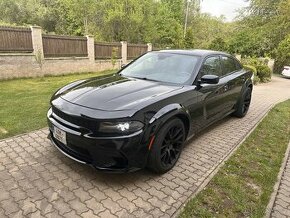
{"type": "Point", "coordinates": [244, 103]}
{"type": "Point", "coordinates": [167, 146]}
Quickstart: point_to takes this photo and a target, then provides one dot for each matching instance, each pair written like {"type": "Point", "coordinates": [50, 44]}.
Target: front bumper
{"type": "Point", "coordinates": [112, 154]}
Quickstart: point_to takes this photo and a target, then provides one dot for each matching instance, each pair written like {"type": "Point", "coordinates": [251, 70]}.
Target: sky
{"type": "Point", "coordinates": [223, 7]}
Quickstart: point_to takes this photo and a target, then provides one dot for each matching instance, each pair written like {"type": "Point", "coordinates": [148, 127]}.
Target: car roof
{"type": "Point", "coordinates": [195, 52]}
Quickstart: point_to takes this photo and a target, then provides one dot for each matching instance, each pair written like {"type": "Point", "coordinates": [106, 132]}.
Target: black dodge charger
{"type": "Point", "coordinates": [141, 116]}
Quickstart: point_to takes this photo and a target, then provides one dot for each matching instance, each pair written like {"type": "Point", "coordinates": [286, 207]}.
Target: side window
{"type": "Point", "coordinates": [238, 64]}
{"type": "Point", "coordinates": [229, 65]}
{"type": "Point", "coordinates": [211, 66]}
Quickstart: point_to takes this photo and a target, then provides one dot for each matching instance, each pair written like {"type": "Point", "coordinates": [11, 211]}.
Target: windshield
{"type": "Point", "coordinates": [162, 67]}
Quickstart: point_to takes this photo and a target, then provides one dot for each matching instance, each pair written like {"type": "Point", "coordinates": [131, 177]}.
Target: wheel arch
{"type": "Point", "coordinates": [169, 112]}
{"type": "Point", "coordinates": [185, 121]}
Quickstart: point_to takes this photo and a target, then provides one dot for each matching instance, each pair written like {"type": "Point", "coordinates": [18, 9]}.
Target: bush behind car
{"type": "Point", "coordinates": [260, 69]}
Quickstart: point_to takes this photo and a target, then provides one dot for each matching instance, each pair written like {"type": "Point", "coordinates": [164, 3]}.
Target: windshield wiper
{"type": "Point", "coordinates": [146, 78]}
{"type": "Point", "coordinates": [142, 78]}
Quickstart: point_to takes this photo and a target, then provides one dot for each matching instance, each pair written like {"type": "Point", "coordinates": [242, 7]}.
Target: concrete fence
{"type": "Point", "coordinates": [62, 58]}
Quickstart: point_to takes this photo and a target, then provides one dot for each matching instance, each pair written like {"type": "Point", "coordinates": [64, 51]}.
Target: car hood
{"type": "Point", "coordinates": [115, 93]}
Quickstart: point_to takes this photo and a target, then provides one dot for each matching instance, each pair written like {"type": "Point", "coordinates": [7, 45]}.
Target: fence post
{"type": "Point", "coordinates": [37, 43]}
{"type": "Point", "coordinates": [149, 45]}
{"type": "Point", "coordinates": [124, 52]}
{"type": "Point", "coordinates": [91, 48]}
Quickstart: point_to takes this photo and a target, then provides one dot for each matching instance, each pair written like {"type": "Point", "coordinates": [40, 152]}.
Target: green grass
{"type": "Point", "coordinates": [24, 102]}
{"type": "Point", "coordinates": [243, 186]}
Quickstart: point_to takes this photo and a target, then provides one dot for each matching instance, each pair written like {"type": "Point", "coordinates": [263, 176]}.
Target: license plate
{"type": "Point", "coordinates": [59, 135]}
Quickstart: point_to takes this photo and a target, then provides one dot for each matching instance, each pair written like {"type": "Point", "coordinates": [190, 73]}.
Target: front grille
{"type": "Point", "coordinates": [79, 121]}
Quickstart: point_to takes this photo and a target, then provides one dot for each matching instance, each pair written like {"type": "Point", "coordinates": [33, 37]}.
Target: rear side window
{"type": "Point", "coordinates": [211, 66]}
{"type": "Point", "coordinates": [229, 65]}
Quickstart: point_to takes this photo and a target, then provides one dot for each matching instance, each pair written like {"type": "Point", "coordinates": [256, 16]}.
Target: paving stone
{"type": "Point", "coordinates": [88, 214]}
{"type": "Point", "coordinates": [128, 205]}
{"type": "Point", "coordinates": [97, 195]}
{"type": "Point", "coordinates": [145, 195]}
{"type": "Point", "coordinates": [96, 206]}
{"type": "Point", "coordinates": [107, 214]}
{"type": "Point", "coordinates": [71, 214]}
{"type": "Point", "coordinates": [61, 206]}
{"type": "Point", "coordinates": [37, 180]}
{"type": "Point", "coordinates": [17, 194]}
{"type": "Point", "coordinates": [66, 194]}
{"type": "Point", "coordinates": [78, 206]}
{"type": "Point", "coordinates": [113, 194]}
{"type": "Point", "coordinates": [111, 205]}
{"type": "Point", "coordinates": [9, 206]}
{"type": "Point", "coordinates": [140, 203]}
{"type": "Point", "coordinates": [44, 206]}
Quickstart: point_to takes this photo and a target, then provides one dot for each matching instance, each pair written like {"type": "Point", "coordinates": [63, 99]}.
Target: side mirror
{"type": "Point", "coordinates": [209, 79]}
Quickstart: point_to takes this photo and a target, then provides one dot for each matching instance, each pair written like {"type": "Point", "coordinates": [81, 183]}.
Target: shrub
{"type": "Point", "coordinates": [264, 73]}
{"type": "Point", "coordinates": [254, 70]}
{"type": "Point", "coordinates": [252, 61]}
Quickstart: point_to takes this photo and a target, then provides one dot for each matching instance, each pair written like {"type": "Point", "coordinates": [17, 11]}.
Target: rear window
{"type": "Point", "coordinates": [229, 65]}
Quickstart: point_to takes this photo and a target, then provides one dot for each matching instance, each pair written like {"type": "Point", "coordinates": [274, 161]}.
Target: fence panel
{"type": "Point", "coordinates": [105, 50]}
{"type": "Point", "coordinates": [135, 50]}
{"type": "Point", "coordinates": [15, 39]}
{"type": "Point", "coordinates": [64, 46]}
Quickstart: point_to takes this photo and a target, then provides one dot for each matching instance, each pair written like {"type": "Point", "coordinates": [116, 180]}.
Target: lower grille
{"type": "Point", "coordinates": [76, 152]}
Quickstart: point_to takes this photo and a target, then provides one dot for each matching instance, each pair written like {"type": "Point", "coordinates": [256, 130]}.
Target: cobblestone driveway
{"type": "Point", "coordinates": [37, 180]}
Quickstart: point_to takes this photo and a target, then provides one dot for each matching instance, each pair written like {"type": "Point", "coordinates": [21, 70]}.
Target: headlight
{"type": "Point", "coordinates": [120, 127]}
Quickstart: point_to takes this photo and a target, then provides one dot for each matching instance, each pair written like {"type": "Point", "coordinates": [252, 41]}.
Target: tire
{"type": "Point", "coordinates": [244, 103]}
{"type": "Point", "coordinates": [167, 146]}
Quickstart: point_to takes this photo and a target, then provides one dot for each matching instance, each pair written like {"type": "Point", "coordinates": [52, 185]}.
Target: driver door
{"type": "Point", "coordinates": [212, 95]}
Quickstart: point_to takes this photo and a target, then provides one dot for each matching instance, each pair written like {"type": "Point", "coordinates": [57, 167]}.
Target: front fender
{"type": "Point", "coordinates": [163, 115]}
{"type": "Point", "coordinates": [165, 110]}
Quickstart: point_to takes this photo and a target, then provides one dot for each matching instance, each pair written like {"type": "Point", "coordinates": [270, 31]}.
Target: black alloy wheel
{"type": "Point", "coordinates": [171, 145]}
{"type": "Point", "coordinates": [167, 147]}
{"type": "Point", "coordinates": [247, 101]}
{"type": "Point", "coordinates": [244, 103]}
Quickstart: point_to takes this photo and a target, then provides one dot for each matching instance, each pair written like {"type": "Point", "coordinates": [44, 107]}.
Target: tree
{"type": "Point", "coordinates": [269, 20]}
{"type": "Point", "coordinates": [282, 55]}
{"type": "Point", "coordinates": [218, 44]}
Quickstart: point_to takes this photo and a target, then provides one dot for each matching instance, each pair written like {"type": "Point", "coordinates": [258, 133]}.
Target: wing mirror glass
{"type": "Point", "coordinates": [209, 79]}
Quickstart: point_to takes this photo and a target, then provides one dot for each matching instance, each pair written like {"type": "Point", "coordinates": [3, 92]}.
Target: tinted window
{"type": "Point", "coordinates": [163, 67]}
{"type": "Point", "coordinates": [229, 65]}
{"type": "Point", "coordinates": [211, 66]}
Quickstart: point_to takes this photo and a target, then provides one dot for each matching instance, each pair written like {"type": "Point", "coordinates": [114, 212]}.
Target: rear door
{"type": "Point", "coordinates": [232, 75]}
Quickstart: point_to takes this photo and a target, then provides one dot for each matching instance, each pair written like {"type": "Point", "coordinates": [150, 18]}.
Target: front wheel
{"type": "Point", "coordinates": [244, 103]}
{"type": "Point", "coordinates": [167, 147]}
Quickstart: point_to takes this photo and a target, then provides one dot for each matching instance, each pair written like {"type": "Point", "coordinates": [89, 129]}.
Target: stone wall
{"type": "Point", "coordinates": [26, 65]}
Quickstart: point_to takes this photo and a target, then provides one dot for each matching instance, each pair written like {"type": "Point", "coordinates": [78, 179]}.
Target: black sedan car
{"type": "Point", "coordinates": [141, 116]}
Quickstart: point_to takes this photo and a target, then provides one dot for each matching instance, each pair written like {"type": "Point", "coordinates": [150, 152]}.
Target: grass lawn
{"type": "Point", "coordinates": [243, 186]}
{"type": "Point", "coordinates": [24, 102]}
